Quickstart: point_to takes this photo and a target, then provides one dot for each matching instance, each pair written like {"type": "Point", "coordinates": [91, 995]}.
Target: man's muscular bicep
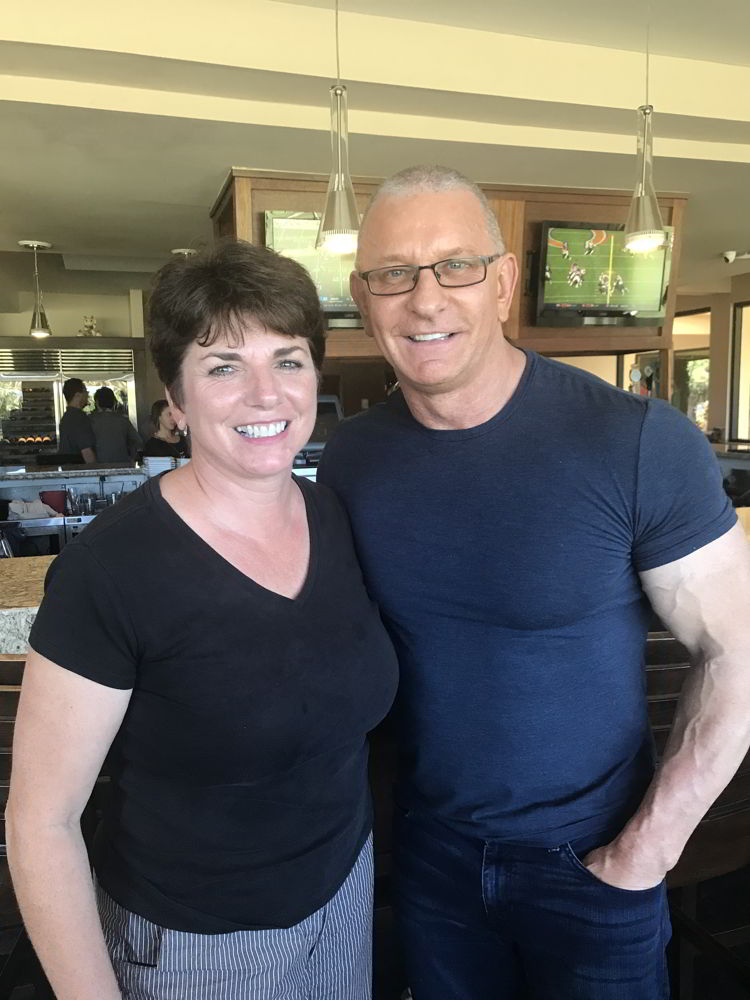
{"type": "Point", "coordinates": [704, 597]}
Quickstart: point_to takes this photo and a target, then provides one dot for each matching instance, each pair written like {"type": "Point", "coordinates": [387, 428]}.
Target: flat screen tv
{"type": "Point", "coordinates": [293, 234]}
{"type": "Point", "coordinates": [587, 277]}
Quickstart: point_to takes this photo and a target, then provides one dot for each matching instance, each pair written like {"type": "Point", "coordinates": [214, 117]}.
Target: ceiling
{"type": "Point", "coordinates": [717, 32]}
{"type": "Point", "coordinates": [119, 125]}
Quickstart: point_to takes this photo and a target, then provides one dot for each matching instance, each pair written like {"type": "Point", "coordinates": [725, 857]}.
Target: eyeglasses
{"type": "Point", "coordinates": [456, 272]}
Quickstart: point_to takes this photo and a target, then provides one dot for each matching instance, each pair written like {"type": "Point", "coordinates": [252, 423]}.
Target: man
{"type": "Point", "coordinates": [575, 275]}
{"type": "Point", "coordinates": [510, 513]}
{"type": "Point", "coordinates": [76, 433]}
{"type": "Point", "coordinates": [116, 439]}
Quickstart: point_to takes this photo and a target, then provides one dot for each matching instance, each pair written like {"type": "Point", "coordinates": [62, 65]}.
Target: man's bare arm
{"type": "Point", "coordinates": [704, 599]}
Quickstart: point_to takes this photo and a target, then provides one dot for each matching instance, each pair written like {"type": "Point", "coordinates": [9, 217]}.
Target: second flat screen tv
{"type": "Point", "coordinates": [587, 277]}
{"type": "Point", "coordinates": [293, 234]}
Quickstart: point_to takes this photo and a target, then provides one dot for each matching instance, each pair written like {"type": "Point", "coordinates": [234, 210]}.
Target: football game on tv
{"type": "Point", "coordinates": [588, 276]}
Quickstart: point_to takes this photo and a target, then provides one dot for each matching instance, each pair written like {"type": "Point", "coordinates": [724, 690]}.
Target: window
{"type": "Point", "coordinates": [11, 403]}
{"type": "Point", "coordinates": [740, 418]}
{"type": "Point", "coordinates": [691, 338]}
{"type": "Point", "coordinates": [690, 387]}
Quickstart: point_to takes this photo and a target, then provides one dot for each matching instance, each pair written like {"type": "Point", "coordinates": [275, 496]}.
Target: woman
{"type": "Point", "coordinates": [166, 442]}
{"type": "Point", "coordinates": [212, 627]}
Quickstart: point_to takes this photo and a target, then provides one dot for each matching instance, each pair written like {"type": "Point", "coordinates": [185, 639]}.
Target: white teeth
{"type": "Point", "coordinates": [262, 430]}
{"type": "Point", "coordinates": [430, 336]}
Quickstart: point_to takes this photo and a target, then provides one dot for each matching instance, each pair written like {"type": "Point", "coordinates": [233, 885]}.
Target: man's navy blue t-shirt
{"type": "Point", "coordinates": [505, 560]}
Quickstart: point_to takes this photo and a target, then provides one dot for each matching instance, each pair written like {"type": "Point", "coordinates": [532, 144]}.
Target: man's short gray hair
{"type": "Point", "coordinates": [437, 179]}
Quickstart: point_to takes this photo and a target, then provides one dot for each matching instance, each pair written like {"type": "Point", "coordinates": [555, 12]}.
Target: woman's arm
{"type": "Point", "coordinates": [64, 727]}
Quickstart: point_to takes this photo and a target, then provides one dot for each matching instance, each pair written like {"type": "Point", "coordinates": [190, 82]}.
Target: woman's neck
{"type": "Point", "coordinates": [250, 509]}
{"type": "Point", "coordinates": [172, 437]}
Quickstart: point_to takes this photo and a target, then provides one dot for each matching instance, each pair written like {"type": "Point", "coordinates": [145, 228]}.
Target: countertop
{"type": "Point", "coordinates": [22, 581]}
{"type": "Point", "coordinates": [21, 589]}
{"type": "Point", "coordinates": [70, 472]}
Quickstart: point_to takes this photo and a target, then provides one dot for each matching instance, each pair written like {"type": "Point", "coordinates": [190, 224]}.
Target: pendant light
{"type": "Point", "coordinates": [39, 325]}
{"type": "Point", "coordinates": [644, 229]}
{"type": "Point", "coordinates": [339, 224]}
{"type": "Point", "coordinates": [184, 252]}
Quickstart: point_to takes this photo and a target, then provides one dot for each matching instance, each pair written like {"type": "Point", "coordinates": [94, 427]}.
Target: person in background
{"type": "Point", "coordinates": [214, 628]}
{"type": "Point", "coordinates": [166, 441]}
{"type": "Point", "coordinates": [116, 438]}
{"type": "Point", "coordinates": [76, 432]}
{"type": "Point", "coordinates": [514, 517]}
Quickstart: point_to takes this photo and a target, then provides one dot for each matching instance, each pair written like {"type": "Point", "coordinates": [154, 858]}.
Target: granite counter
{"type": "Point", "coordinates": [69, 472]}
{"type": "Point", "coordinates": [21, 590]}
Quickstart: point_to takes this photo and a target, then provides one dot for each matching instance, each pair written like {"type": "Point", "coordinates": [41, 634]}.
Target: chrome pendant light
{"type": "Point", "coordinates": [339, 224]}
{"type": "Point", "coordinates": [644, 229]}
{"type": "Point", "coordinates": [39, 325]}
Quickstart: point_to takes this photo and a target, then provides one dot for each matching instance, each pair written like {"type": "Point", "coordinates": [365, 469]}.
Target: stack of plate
{"type": "Point", "coordinates": [155, 466]}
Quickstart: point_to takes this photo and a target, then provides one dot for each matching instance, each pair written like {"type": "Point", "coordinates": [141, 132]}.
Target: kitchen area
{"type": "Point", "coordinates": [31, 391]}
{"type": "Point", "coordinates": [41, 511]}
{"type": "Point", "coordinates": [47, 497]}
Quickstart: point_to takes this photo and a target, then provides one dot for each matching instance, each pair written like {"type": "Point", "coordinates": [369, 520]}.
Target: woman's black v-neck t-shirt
{"type": "Point", "coordinates": [239, 774]}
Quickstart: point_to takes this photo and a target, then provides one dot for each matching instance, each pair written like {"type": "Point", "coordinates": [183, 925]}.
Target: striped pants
{"type": "Point", "coordinates": [328, 956]}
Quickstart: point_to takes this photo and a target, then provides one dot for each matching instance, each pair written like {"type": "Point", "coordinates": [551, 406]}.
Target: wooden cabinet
{"type": "Point", "coordinates": [247, 194]}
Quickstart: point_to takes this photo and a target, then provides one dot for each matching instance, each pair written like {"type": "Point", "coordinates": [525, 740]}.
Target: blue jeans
{"type": "Point", "coordinates": [485, 920]}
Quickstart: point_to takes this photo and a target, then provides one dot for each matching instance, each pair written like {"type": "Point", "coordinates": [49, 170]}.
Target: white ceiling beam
{"type": "Point", "coordinates": [104, 97]}
{"type": "Point", "coordinates": [277, 37]}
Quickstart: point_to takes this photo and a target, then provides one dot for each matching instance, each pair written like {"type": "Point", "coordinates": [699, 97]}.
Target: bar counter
{"type": "Point", "coordinates": [22, 587]}
{"type": "Point", "coordinates": [67, 472]}
{"type": "Point", "coordinates": [21, 590]}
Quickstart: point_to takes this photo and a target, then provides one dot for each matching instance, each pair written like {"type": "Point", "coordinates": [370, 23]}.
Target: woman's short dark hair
{"type": "Point", "coordinates": [200, 298]}
{"type": "Point", "coordinates": [156, 411]}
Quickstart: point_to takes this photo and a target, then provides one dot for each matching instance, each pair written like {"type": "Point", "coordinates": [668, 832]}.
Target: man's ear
{"type": "Point", "coordinates": [358, 289]}
{"type": "Point", "coordinates": [507, 278]}
{"type": "Point", "coordinates": [176, 411]}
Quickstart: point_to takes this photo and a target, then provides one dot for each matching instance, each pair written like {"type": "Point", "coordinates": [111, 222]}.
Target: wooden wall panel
{"type": "Point", "coordinates": [349, 343]}
{"type": "Point", "coordinates": [243, 208]}
{"type": "Point", "coordinates": [510, 214]}
{"type": "Point", "coordinates": [674, 215]}
{"type": "Point", "coordinates": [248, 194]}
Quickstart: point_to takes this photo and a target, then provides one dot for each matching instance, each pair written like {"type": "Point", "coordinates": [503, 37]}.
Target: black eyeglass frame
{"type": "Point", "coordinates": [416, 268]}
